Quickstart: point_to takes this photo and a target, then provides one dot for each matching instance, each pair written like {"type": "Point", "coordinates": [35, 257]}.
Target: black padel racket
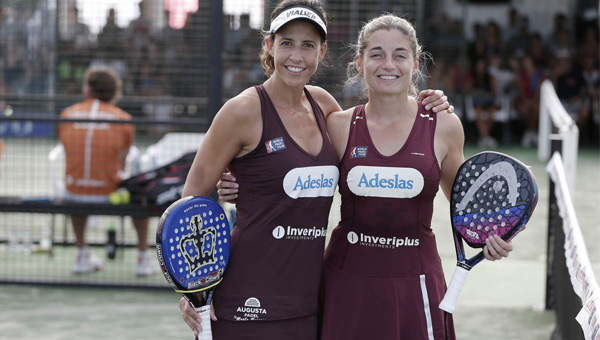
{"type": "Point", "coordinates": [492, 193]}
{"type": "Point", "coordinates": [192, 244]}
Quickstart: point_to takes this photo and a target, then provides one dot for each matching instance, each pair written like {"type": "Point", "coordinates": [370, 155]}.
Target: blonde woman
{"type": "Point", "coordinates": [383, 276]}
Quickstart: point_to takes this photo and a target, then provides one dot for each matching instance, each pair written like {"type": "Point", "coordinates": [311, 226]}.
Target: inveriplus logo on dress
{"type": "Point", "coordinates": [295, 233]}
{"type": "Point", "coordinates": [381, 241]}
{"type": "Point", "coordinates": [312, 181]}
{"type": "Point", "coordinates": [387, 182]}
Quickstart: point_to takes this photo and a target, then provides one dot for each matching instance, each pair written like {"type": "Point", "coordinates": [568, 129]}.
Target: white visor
{"type": "Point", "coordinates": [295, 13]}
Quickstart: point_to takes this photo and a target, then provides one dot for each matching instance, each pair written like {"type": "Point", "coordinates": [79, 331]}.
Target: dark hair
{"type": "Point", "coordinates": [103, 83]}
{"type": "Point", "coordinates": [266, 59]}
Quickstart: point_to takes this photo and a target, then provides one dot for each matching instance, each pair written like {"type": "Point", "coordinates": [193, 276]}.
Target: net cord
{"type": "Point", "coordinates": [578, 264]}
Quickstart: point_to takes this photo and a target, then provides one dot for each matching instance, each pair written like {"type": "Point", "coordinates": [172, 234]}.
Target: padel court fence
{"type": "Point", "coordinates": [571, 287]}
{"type": "Point", "coordinates": [176, 74]}
{"type": "Point", "coordinates": [36, 238]}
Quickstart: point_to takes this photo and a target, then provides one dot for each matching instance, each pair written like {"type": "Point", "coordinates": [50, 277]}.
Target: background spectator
{"type": "Point", "coordinates": [482, 89]}
{"type": "Point", "coordinates": [95, 155]}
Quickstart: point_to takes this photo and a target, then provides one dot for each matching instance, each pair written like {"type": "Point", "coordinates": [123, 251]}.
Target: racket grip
{"type": "Point", "coordinates": [204, 312]}
{"type": "Point", "coordinates": [448, 303]}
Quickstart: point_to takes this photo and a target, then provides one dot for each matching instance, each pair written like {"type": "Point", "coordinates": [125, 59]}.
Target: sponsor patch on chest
{"type": "Point", "coordinates": [358, 152]}
{"type": "Point", "coordinates": [275, 144]}
{"type": "Point", "coordinates": [312, 181]}
{"type": "Point", "coordinates": [387, 182]}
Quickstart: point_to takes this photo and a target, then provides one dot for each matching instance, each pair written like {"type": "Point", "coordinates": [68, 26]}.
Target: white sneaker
{"type": "Point", "coordinates": [492, 143]}
{"type": "Point", "coordinates": [86, 262]}
{"type": "Point", "coordinates": [487, 142]}
{"type": "Point", "coordinates": [146, 265]}
{"type": "Point", "coordinates": [529, 139]}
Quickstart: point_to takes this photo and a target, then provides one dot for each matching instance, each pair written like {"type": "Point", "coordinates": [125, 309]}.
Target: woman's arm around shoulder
{"type": "Point", "coordinates": [235, 131]}
{"type": "Point", "coordinates": [326, 102]}
{"type": "Point", "coordinates": [338, 126]}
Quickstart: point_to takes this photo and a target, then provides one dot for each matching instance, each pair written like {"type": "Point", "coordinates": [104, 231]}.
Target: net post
{"type": "Point", "coordinates": [544, 125]}
{"type": "Point", "coordinates": [554, 228]}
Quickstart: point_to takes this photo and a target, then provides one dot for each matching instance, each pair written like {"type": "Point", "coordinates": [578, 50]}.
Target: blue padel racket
{"type": "Point", "coordinates": [192, 244]}
{"type": "Point", "coordinates": [492, 193]}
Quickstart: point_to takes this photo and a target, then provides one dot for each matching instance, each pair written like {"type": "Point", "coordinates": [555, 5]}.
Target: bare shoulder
{"type": "Point", "coordinates": [317, 91]}
{"type": "Point", "coordinates": [326, 101]}
{"type": "Point", "coordinates": [338, 117]}
{"type": "Point", "coordinates": [244, 106]}
{"type": "Point", "coordinates": [449, 125]}
{"type": "Point", "coordinates": [339, 121]}
{"type": "Point", "coordinates": [240, 116]}
{"type": "Point", "coordinates": [338, 125]}
{"type": "Point", "coordinates": [237, 126]}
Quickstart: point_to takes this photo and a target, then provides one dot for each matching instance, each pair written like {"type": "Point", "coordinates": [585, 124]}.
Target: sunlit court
{"type": "Point", "coordinates": [523, 79]}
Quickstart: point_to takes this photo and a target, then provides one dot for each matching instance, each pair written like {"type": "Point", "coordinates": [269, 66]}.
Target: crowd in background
{"type": "Point", "coordinates": [495, 90]}
{"type": "Point", "coordinates": [158, 62]}
{"type": "Point", "coordinates": [498, 90]}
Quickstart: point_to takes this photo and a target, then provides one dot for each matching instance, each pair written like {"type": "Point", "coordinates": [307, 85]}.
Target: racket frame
{"type": "Point", "coordinates": [464, 264]}
{"type": "Point", "coordinates": [200, 302]}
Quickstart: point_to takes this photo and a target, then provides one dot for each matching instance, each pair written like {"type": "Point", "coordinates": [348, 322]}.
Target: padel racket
{"type": "Point", "coordinates": [192, 244]}
{"type": "Point", "coordinates": [492, 193]}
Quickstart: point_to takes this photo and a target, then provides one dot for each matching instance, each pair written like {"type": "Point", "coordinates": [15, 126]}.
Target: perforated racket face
{"type": "Point", "coordinates": [492, 194]}
{"type": "Point", "coordinates": [192, 243]}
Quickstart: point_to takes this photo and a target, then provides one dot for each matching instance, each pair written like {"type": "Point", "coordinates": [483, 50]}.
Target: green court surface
{"type": "Point", "coordinates": [501, 300]}
{"type": "Point", "coordinates": [75, 313]}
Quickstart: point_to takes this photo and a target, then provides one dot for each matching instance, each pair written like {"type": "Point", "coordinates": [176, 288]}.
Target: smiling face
{"type": "Point", "coordinates": [387, 62]}
{"type": "Point", "coordinates": [296, 50]}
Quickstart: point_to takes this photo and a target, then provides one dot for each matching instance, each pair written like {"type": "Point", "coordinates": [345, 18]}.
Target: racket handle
{"type": "Point", "coordinates": [204, 312]}
{"type": "Point", "coordinates": [448, 304]}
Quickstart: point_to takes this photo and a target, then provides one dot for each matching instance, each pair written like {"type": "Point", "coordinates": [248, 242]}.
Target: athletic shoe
{"type": "Point", "coordinates": [86, 262]}
{"type": "Point", "coordinates": [487, 142]}
{"type": "Point", "coordinates": [145, 265]}
{"type": "Point", "coordinates": [529, 139]}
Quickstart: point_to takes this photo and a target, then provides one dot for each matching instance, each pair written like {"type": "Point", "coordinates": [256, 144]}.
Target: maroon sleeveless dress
{"type": "Point", "coordinates": [383, 277]}
{"type": "Point", "coordinates": [271, 285]}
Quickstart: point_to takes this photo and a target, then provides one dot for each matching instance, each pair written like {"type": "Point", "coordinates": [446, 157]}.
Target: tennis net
{"type": "Point", "coordinates": [580, 274]}
{"type": "Point", "coordinates": [571, 287]}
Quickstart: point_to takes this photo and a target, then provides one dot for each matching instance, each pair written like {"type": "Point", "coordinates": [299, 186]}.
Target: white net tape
{"type": "Point", "coordinates": [576, 254]}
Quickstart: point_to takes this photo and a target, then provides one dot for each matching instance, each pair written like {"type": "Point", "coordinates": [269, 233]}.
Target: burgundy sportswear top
{"type": "Point", "coordinates": [383, 277]}
{"type": "Point", "coordinates": [387, 203]}
{"type": "Point", "coordinates": [285, 195]}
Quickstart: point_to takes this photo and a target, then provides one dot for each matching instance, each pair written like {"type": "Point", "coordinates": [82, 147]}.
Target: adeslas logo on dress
{"type": "Point", "coordinates": [314, 181]}
{"type": "Point", "coordinates": [388, 182]}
